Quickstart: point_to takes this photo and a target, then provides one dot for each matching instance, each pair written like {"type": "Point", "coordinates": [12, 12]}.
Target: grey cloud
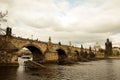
{"type": "Point", "coordinates": [92, 24]}
{"type": "Point", "coordinates": [113, 28]}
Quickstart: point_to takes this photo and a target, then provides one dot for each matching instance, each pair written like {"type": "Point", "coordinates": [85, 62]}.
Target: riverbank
{"type": "Point", "coordinates": [64, 62]}
{"type": "Point", "coordinates": [9, 64]}
{"type": "Point", "coordinates": [110, 57]}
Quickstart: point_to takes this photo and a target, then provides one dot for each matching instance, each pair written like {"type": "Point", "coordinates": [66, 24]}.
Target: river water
{"type": "Point", "coordinates": [94, 70]}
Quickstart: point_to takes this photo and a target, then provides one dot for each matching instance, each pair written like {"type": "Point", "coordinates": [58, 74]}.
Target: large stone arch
{"type": "Point", "coordinates": [62, 56]}
{"type": "Point", "coordinates": [38, 55]}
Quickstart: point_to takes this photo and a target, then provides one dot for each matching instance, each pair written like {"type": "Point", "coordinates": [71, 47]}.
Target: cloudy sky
{"type": "Point", "coordinates": [79, 21]}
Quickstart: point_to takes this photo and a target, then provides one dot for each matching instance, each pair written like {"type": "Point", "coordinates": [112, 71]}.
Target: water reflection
{"type": "Point", "coordinates": [8, 73]}
{"type": "Point", "coordinates": [95, 70]}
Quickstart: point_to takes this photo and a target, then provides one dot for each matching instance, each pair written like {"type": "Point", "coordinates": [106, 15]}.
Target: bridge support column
{"type": "Point", "coordinates": [8, 59]}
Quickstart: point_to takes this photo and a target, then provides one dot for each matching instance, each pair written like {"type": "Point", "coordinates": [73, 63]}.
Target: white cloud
{"type": "Point", "coordinates": [82, 22]}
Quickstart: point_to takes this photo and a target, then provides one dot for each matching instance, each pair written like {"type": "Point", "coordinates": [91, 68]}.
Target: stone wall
{"type": "Point", "coordinates": [51, 56]}
{"type": "Point", "coordinates": [6, 57]}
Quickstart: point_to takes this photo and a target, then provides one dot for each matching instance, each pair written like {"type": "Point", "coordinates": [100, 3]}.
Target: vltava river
{"type": "Point", "coordinates": [94, 70]}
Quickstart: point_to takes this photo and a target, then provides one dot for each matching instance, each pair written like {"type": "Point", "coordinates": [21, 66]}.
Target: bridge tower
{"type": "Point", "coordinates": [108, 48]}
{"type": "Point", "coordinates": [8, 31]}
{"type": "Point", "coordinates": [8, 34]}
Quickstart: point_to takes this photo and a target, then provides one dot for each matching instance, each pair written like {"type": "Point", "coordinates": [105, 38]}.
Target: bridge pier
{"type": "Point", "coordinates": [8, 56]}
{"type": "Point", "coordinates": [8, 59]}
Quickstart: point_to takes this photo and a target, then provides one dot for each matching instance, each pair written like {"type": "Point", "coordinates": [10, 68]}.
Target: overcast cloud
{"type": "Point", "coordinates": [79, 21]}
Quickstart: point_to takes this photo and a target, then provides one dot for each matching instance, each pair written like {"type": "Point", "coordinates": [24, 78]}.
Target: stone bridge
{"type": "Point", "coordinates": [41, 51]}
{"type": "Point", "coordinates": [44, 50]}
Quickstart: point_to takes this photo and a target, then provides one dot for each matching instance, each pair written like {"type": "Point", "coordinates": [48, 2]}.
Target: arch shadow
{"type": "Point", "coordinates": [61, 55]}
{"type": "Point", "coordinates": [77, 54]}
{"type": "Point", "coordinates": [36, 52]}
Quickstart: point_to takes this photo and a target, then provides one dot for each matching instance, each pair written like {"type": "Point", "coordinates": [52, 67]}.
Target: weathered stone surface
{"type": "Point", "coordinates": [6, 57]}
{"type": "Point", "coordinates": [41, 51]}
{"type": "Point", "coordinates": [8, 47]}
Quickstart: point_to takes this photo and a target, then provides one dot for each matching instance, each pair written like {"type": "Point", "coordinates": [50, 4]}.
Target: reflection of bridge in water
{"type": "Point", "coordinates": [41, 51]}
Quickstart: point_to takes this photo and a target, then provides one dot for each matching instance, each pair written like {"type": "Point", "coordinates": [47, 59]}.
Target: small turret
{"type": "Point", "coordinates": [90, 49]}
{"type": "Point", "coordinates": [49, 43]}
{"type": "Point", "coordinates": [8, 31]}
{"type": "Point", "coordinates": [8, 34]}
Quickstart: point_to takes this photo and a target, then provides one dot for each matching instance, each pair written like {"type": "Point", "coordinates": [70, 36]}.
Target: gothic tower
{"type": "Point", "coordinates": [108, 48]}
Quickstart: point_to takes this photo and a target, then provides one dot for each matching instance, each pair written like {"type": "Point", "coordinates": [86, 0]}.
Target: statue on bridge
{"type": "Point", "coordinates": [83, 54]}
{"type": "Point", "coordinates": [91, 53]}
{"type": "Point", "coordinates": [49, 44]}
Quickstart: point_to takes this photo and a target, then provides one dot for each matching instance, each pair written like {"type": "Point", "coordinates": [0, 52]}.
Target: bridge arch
{"type": "Point", "coordinates": [38, 55]}
{"type": "Point", "coordinates": [62, 56]}
{"type": "Point", "coordinates": [76, 52]}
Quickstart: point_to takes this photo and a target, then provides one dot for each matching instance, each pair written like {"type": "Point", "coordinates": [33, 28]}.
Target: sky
{"type": "Point", "coordinates": [79, 21]}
